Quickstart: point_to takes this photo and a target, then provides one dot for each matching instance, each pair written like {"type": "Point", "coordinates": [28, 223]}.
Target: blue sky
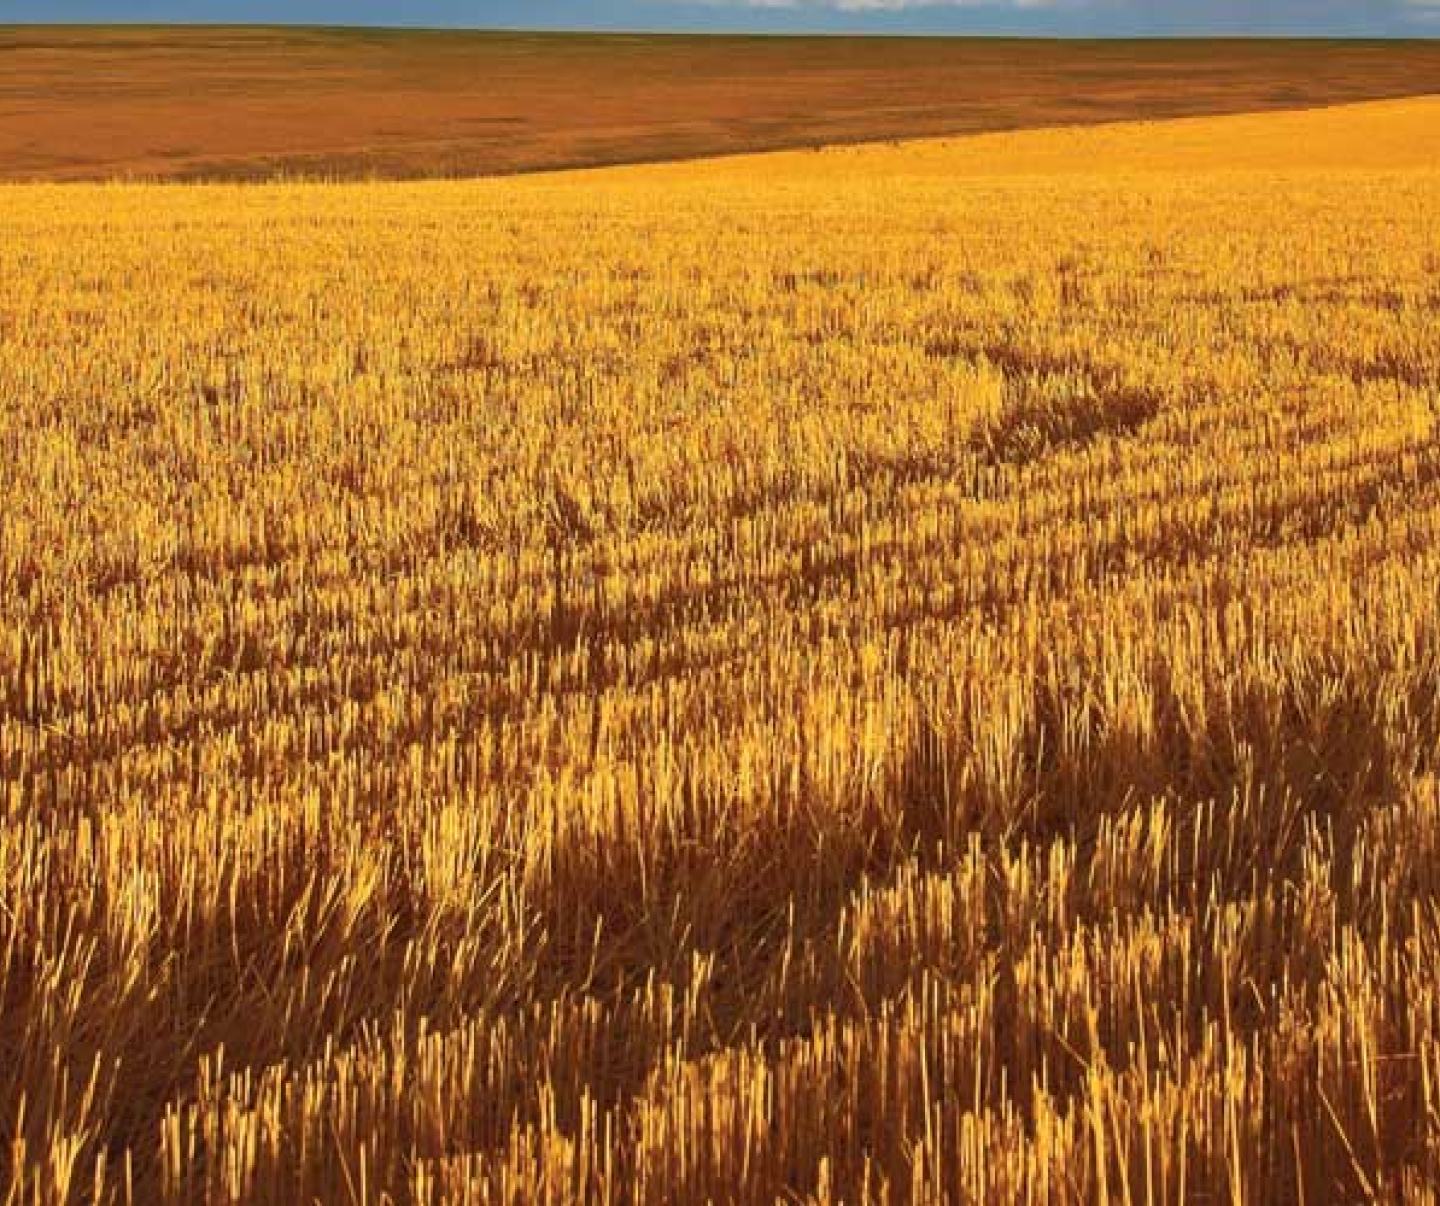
{"type": "Point", "coordinates": [1064, 17]}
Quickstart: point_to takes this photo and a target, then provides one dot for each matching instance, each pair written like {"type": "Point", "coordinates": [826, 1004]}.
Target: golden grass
{"type": "Point", "coordinates": [905, 674]}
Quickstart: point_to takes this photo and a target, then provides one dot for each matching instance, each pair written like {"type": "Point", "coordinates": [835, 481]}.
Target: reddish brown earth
{"type": "Point", "coordinates": [86, 103]}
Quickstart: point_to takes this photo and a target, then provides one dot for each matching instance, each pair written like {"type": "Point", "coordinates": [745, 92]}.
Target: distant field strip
{"type": "Point", "coordinates": [893, 674]}
{"type": "Point", "coordinates": [102, 103]}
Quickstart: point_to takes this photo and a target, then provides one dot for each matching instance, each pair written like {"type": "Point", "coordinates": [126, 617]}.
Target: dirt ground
{"type": "Point", "coordinates": [198, 103]}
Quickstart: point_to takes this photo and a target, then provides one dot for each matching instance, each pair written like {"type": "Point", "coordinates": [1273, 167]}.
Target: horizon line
{"type": "Point", "coordinates": [712, 32]}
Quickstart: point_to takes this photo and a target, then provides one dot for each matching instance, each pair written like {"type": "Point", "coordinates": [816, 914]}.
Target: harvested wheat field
{"type": "Point", "coordinates": [890, 674]}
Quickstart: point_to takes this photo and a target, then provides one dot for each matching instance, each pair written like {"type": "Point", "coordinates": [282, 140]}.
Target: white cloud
{"type": "Point", "coordinates": [858, 6]}
{"type": "Point", "coordinates": [1158, 18]}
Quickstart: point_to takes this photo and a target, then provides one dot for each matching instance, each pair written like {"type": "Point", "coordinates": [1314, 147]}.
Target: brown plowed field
{"type": "Point", "coordinates": [230, 103]}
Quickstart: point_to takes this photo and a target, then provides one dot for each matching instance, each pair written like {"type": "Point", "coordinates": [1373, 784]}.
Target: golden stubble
{"type": "Point", "coordinates": [903, 674]}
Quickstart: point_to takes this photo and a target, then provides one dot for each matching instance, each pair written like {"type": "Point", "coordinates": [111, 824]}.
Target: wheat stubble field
{"type": "Point", "coordinates": [889, 674]}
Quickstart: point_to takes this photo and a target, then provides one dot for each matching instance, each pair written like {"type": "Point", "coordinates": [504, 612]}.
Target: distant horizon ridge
{"type": "Point", "coordinates": [1197, 35]}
